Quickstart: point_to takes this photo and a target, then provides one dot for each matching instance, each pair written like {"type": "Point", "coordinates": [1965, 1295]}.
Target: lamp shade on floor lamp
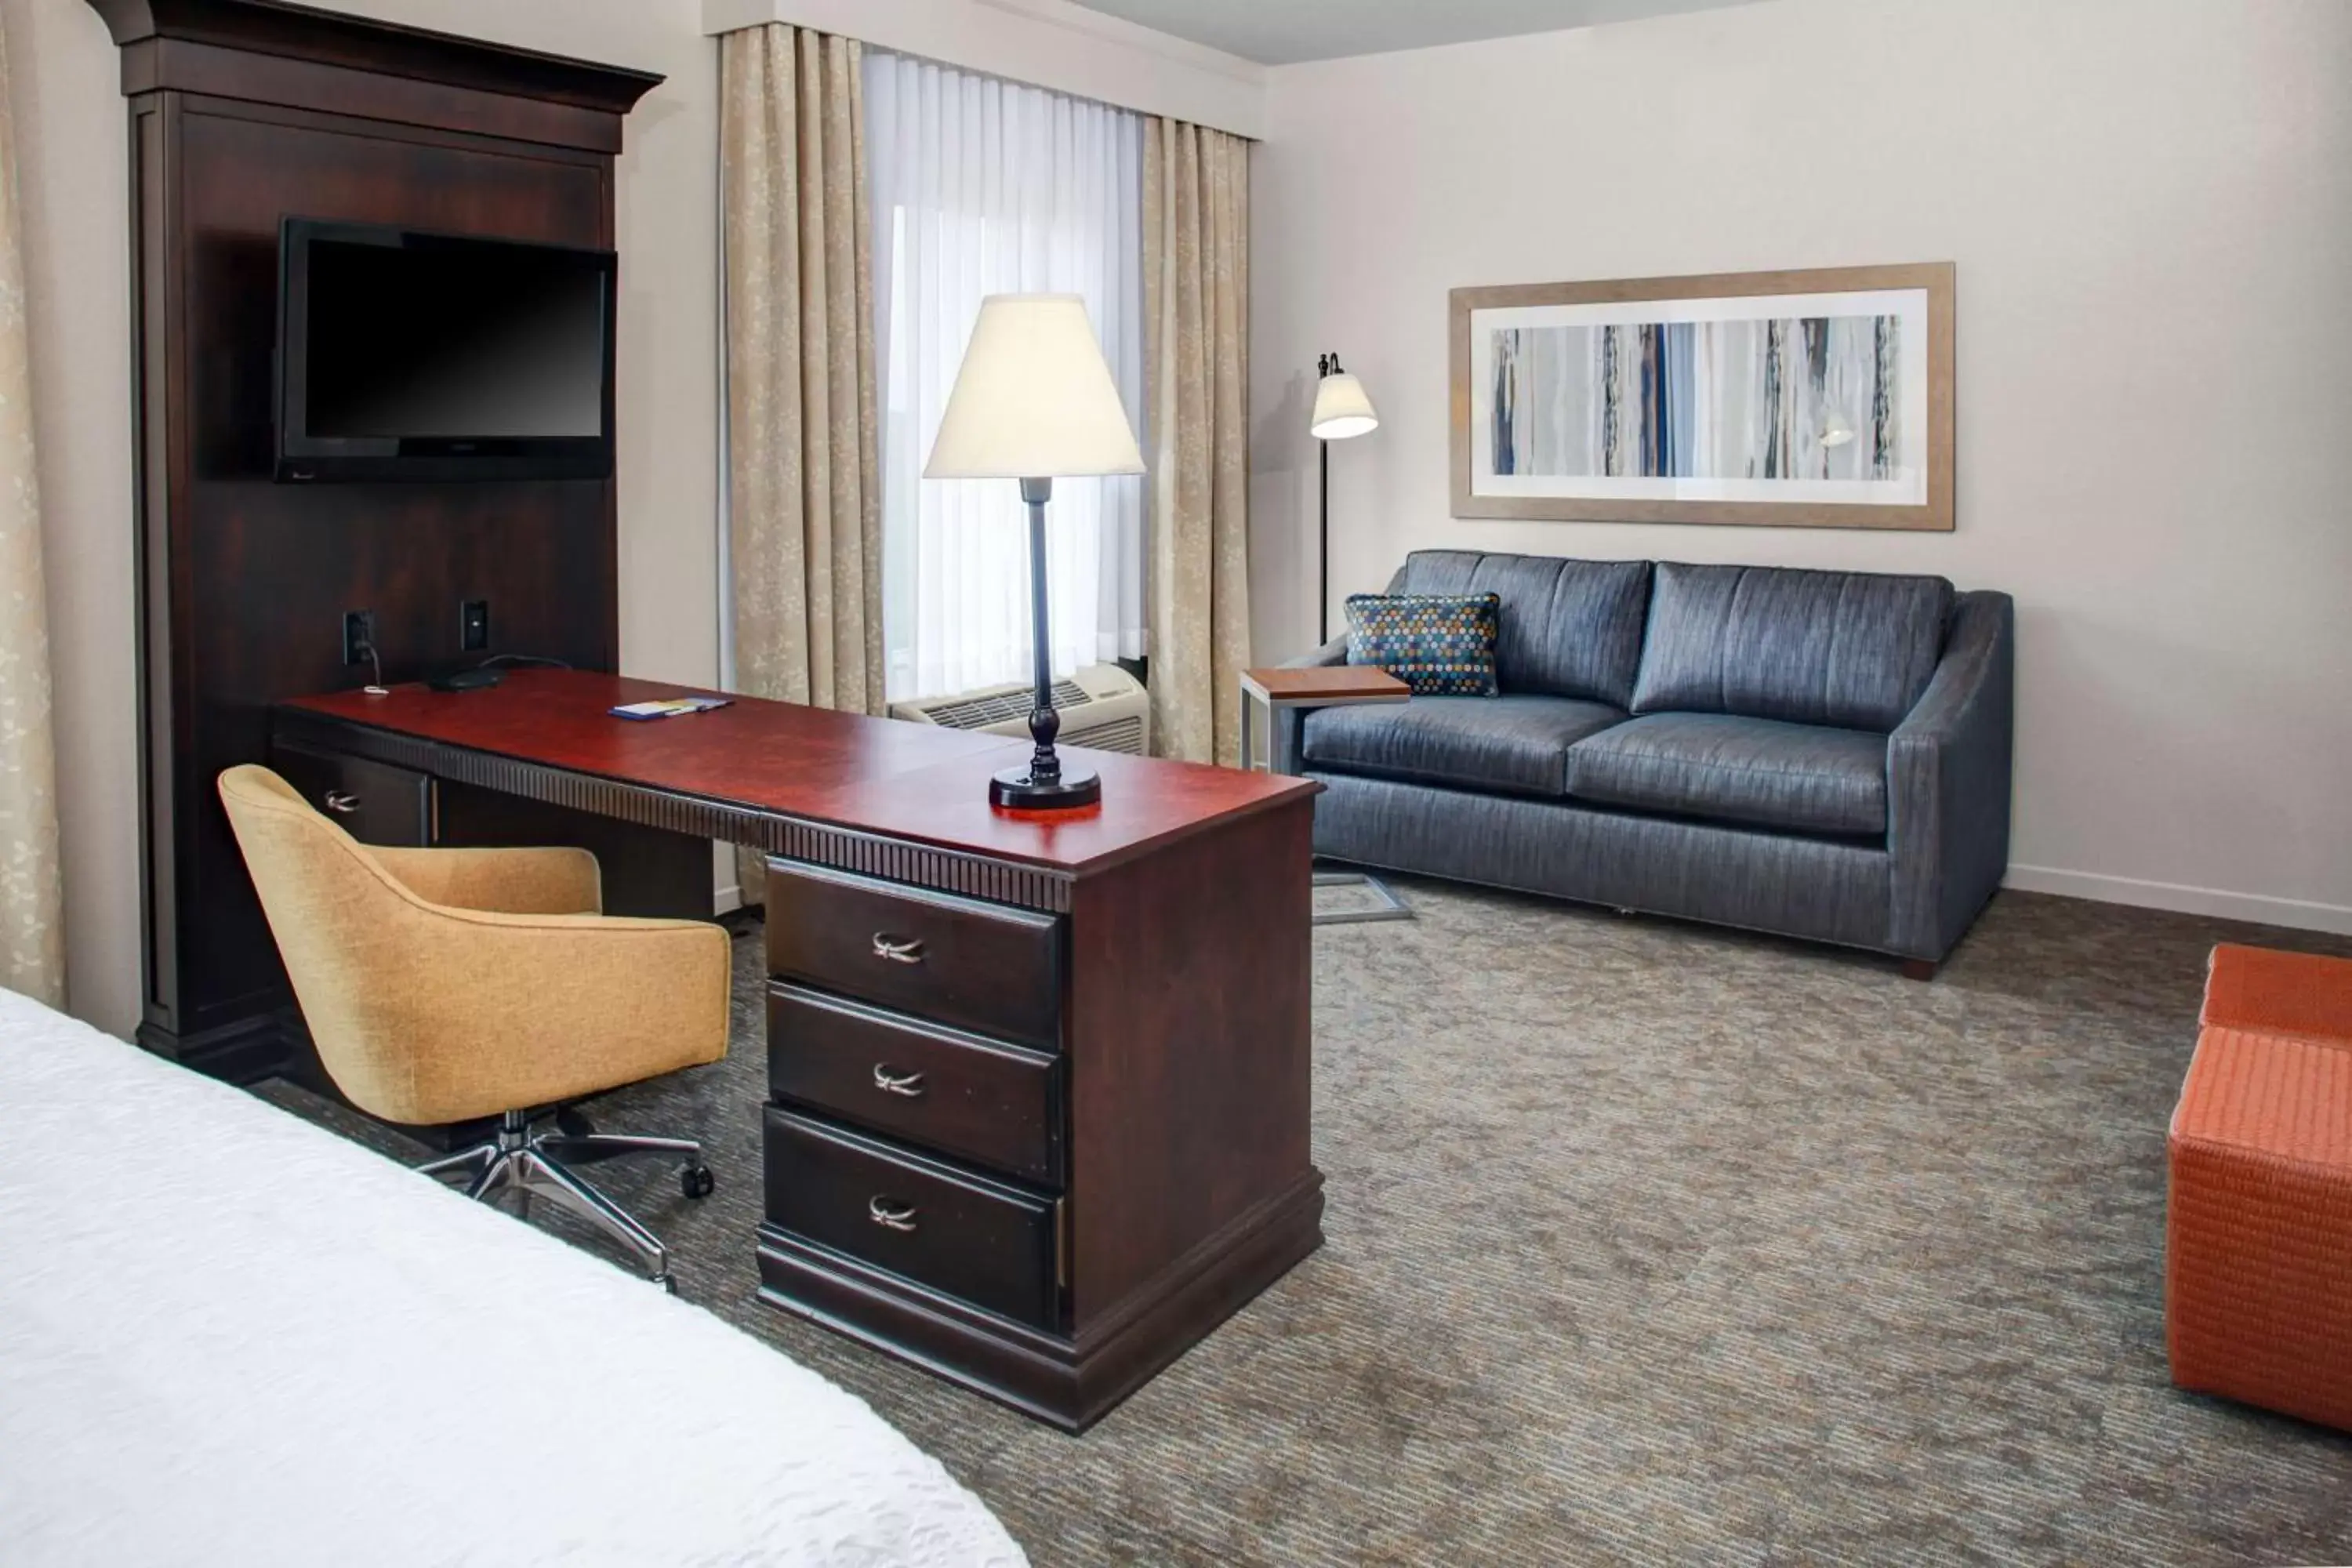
{"type": "Point", "coordinates": [1034, 401]}
{"type": "Point", "coordinates": [1343, 410]}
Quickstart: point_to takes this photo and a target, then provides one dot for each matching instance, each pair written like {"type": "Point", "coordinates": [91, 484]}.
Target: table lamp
{"type": "Point", "coordinates": [1343, 410]}
{"type": "Point", "coordinates": [1033, 401]}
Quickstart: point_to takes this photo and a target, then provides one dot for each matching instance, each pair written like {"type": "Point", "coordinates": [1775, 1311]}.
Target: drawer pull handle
{"type": "Point", "coordinates": [892, 1214]}
{"type": "Point", "coordinates": [341, 801]}
{"type": "Point", "coordinates": [892, 948]}
{"type": "Point", "coordinates": [889, 1080]}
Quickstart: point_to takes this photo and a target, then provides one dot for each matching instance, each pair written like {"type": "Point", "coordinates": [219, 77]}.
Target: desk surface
{"type": "Point", "coordinates": [872, 775]}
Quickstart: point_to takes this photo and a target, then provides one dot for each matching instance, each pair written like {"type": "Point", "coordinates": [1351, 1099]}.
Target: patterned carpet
{"type": "Point", "coordinates": [1653, 1244]}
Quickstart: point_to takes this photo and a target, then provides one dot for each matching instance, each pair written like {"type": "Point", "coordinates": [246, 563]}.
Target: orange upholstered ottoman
{"type": "Point", "coordinates": [2258, 1254]}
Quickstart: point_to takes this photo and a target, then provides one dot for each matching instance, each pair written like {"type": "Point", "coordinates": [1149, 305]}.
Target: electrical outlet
{"type": "Point", "coordinates": [359, 636]}
{"type": "Point", "coordinates": [474, 625]}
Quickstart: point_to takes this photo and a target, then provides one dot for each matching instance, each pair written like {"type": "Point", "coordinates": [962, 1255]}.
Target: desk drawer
{"type": "Point", "coordinates": [375, 803]}
{"type": "Point", "coordinates": [996, 1104]}
{"type": "Point", "coordinates": [984, 1242]}
{"type": "Point", "coordinates": [988, 967]}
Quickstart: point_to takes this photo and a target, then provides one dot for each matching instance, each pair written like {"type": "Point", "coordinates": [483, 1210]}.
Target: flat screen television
{"type": "Point", "coordinates": [404, 355]}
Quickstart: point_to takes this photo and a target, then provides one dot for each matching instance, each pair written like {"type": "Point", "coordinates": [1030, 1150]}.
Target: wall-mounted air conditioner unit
{"type": "Point", "coordinates": [1102, 706]}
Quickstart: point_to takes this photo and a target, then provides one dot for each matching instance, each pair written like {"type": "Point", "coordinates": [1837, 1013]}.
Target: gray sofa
{"type": "Point", "coordinates": [1820, 754]}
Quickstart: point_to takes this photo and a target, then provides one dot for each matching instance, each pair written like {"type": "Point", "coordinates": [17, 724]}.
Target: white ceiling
{"type": "Point", "coordinates": [1284, 32]}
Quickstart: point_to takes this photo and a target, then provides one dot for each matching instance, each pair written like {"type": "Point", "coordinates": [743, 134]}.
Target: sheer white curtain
{"type": "Point", "coordinates": [981, 187]}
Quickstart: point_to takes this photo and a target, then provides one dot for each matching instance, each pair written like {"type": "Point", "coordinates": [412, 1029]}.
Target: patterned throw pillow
{"type": "Point", "coordinates": [1441, 645]}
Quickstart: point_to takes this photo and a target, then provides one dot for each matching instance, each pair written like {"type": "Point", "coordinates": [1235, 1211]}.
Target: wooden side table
{"type": "Point", "coordinates": [1325, 686]}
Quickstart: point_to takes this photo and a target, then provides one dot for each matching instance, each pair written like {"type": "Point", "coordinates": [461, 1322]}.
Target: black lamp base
{"type": "Point", "coordinates": [1047, 784]}
{"type": "Point", "coordinates": [1014, 790]}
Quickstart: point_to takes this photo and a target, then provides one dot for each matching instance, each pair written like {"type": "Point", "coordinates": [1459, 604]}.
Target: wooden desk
{"type": "Point", "coordinates": [1039, 1086]}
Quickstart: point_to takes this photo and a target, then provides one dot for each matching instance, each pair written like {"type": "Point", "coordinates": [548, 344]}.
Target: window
{"type": "Point", "coordinates": [981, 187]}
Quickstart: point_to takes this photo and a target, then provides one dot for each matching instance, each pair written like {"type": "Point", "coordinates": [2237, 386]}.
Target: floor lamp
{"type": "Point", "coordinates": [1342, 410]}
{"type": "Point", "coordinates": [1033, 401]}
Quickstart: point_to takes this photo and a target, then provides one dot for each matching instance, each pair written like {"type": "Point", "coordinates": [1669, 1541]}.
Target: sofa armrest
{"type": "Point", "coordinates": [1336, 650]}
{"type": "Point", "coordinates": [1287, 727]}
{"type": "Point", "coordinates": [1947, 783]}
{"type": "Point", "coordinates": [1330, 653]}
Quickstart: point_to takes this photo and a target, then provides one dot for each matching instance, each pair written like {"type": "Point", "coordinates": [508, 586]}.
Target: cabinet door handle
{"type": "Point", "coordinates": [341, 801]}
{"type": "Point", "coordinates": [897, 949]}
{"type": "Point", "coordinates": [890, 1080]}
{"type": "Point", "coordinates": [890, 1214]}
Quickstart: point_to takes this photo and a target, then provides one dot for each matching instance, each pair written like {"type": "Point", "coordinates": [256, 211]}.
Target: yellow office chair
{"type": "Point", "coordinates": [445, 984]}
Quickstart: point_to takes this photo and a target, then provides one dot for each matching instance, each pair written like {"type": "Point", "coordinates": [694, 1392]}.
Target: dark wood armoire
{"type": "Point", "coordinates": [244, 112]}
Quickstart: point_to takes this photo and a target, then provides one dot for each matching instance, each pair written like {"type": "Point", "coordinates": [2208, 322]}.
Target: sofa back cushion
{"type": "Point", "coordinates": [1569, 629]}
{"type": "Point", "coordinates": [1853, 649]}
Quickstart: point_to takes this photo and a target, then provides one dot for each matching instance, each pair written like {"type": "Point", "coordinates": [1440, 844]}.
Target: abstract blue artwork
{"type": "Point", "coordinates": [1794, 398]}
{"type": "Point", "coordinates": [1813, 397]}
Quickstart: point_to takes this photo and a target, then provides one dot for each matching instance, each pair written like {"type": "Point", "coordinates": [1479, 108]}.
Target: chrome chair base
{"type": "Point", "coordinates": [519, 1161]}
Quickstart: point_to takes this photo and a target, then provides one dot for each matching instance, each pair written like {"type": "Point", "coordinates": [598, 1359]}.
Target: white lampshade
{"type": "Point", "coordinates": [1033, 399]}
{"type": "Point", "coordinates": [1342, 408]}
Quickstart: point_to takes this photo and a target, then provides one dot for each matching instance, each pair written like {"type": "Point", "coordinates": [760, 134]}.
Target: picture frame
{"type": "Point", "coordinates": [1811, 398]}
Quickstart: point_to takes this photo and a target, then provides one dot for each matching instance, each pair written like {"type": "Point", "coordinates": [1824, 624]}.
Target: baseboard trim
{"type": "Point", "coordinates": [2258, 909]}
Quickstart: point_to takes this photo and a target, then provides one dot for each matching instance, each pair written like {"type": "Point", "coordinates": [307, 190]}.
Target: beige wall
{"type": "Point", "coordinates": [70, 124]}
{"type": "Point", "coordinates": [2151, 205]}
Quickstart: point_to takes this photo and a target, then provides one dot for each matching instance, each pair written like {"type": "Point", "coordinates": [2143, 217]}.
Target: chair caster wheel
{"type": "Point", "coordinates": [668, 1283]}
{"type": "Point", "coordinates": [573, 1123]}
{"type": "Point", "coordinates": [696, 1181]}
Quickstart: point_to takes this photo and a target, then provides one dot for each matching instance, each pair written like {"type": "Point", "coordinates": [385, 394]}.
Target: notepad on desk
{"type": "Point", "coordinates": [668, 707]}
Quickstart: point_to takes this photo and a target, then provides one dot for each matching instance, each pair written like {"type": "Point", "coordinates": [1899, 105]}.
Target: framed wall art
{"type": "Point", "coordinates": [1811, 399]}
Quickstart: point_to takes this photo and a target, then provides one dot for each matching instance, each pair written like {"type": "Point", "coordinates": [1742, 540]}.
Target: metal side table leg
{"type": "Point", "coordinates": [1281, 692]}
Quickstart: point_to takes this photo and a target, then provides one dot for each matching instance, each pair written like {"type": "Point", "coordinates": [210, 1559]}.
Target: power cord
{"type": "Point", "coordinates": [377, 688]}
{"type": "Point", "coordinates": [375, 663]}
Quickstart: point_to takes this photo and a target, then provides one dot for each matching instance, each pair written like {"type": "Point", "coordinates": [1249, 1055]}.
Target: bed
{"type": "Point", "coordinates": [229, 1337]}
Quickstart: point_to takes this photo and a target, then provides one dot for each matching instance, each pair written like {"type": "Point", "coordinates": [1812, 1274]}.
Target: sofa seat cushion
{"type": "Point", "coordinates": [1515, 746]}
{"type": "Point", "coordinates": [1797, 778]}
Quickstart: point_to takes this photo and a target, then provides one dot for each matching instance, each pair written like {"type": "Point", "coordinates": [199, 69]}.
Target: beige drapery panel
{"type": "Point", "coordinates": [1196, 375]}
{"type": "Point", "coordinates": [803, 452]}
{"type": "Point", "coordinates": [804, 496]}
{"type": "Point", "coordinates": [32, 931]}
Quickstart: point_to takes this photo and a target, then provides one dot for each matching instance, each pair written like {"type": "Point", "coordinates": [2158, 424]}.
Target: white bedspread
{"type": "Point", "coordinates": [229, 1337]}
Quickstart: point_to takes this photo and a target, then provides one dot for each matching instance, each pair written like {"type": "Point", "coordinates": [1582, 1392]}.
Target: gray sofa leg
{"type": "Point", "coordinates": [1919, 969]}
